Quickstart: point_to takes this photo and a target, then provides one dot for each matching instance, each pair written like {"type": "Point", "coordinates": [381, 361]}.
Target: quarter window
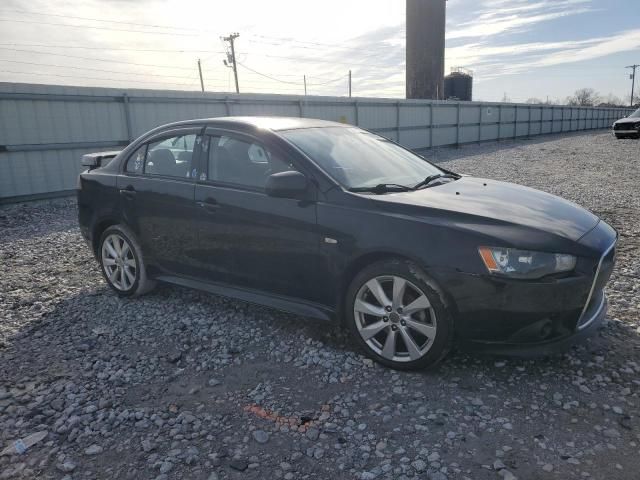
{"type": "Point", "coordinates": [241, 162]}
{"type": "Point", "coordinates": [136, 161]}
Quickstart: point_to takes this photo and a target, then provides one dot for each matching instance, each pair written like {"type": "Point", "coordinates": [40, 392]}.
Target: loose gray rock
{"type": "Point", "coordinates": [260, 436]}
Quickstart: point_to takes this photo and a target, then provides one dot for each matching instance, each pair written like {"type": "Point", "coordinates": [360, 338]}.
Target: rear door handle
{"type": "Point", "coordinates": [209, 205]}
{"type": "Point", "coordinates": [128, 192]}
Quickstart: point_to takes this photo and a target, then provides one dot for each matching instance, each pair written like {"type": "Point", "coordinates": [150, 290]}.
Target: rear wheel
{"type": "Point", "coordinates": [122, 262]}
{"type": "Point", "coordinates": [396, 317]}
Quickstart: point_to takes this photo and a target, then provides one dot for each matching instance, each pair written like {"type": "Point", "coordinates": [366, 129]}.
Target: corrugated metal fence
{"type": "Point", "coordinates": [44, 129]}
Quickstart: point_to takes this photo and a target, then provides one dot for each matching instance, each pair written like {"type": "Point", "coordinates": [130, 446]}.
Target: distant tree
{"type": "Point", "coordinates": [585, 97]}
{"type": "Point", "coordinates": [611, 101]}
{"type": "Point", "coordinates": [534, 100]}
{"type": "Point", "coordinates": [505, 98]}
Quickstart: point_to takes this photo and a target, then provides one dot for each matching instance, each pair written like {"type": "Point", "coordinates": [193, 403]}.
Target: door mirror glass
{"type": "Point", "coordinates": [289, 184]}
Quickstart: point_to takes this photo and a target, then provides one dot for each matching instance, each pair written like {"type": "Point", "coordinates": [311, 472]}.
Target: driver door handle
{"type": "Point", "coordinates": [210, 205]}
{"type": "Point", "coordinates": [128, 192]}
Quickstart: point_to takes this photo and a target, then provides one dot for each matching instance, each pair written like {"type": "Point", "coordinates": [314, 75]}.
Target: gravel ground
{"type": "Point", "coordinates": [182, 384]}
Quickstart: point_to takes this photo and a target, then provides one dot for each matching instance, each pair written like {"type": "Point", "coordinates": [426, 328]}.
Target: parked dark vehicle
{"type": "Point", "coordinates": [628, 127]}
{"type": "Point", "coordinates": [330, 221]}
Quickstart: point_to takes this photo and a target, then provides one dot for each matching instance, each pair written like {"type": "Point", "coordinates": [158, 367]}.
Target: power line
{"type": "Point", "coordinates": [93, 69]}
{"type": "Point", "coordinates": [267, 76]}
{"type": "Point", "coordinates": [91, 78]}
{"type": "Point", "coordinates": [330, 81]}
{"type": "Point", "coordinates": [170, 27]}
{"type": "Point", "coordinates": [98, 28]}
{"type": "Point", "coordinates": [96, 59]}
{"type": "Point", "coordinates": [43, 45]}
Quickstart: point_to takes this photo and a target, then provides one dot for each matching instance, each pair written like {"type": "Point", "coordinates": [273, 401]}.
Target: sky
{"type": "Point", "coordinates": [518, 49]}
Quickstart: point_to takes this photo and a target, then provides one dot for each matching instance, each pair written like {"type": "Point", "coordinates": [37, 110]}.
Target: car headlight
{"type": "Point", "coordinates": [525, 264]}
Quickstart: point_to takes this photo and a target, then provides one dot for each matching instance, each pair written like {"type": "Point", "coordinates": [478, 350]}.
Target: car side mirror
{"type": "Point", "coordinates": [290, 184]}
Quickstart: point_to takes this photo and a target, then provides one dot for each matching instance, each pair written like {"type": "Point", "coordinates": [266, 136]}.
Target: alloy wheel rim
{"type": "Point", "coordinates": [395, 318]}
{"type": "Point", "coordinates": [118, 262]}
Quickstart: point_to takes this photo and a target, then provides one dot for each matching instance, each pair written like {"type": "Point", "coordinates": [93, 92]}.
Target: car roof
{"type": "Point", "coordinates": [269, 123]}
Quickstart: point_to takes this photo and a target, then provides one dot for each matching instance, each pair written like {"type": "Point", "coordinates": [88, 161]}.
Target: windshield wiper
{"type": "Point", "coordinates": [432, 178]}
{"type": "Point", "coordinates": [382, 188]}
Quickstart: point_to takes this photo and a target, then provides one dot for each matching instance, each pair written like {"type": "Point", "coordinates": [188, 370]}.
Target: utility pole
{"type": "Point", "coordinates": [305, 85]}
{"type": "Point", "coordinates": [349, 83]}
{"type": "Point", "coordinates": [633, 80]}
{"type": "Point", "coordinates": [200, 72]}
{"type": "Point", "coordinates": [231, 38]}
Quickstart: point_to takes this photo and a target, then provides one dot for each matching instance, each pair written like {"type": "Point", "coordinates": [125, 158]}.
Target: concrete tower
{"type": "Point", "coordinates": [425, 48]}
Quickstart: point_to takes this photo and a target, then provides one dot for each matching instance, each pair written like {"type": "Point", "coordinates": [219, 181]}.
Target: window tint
{"type": "Point", "coordinates": [135, 163]}
{"type": "Point", "coordinates": [241, 162]}
{"type": "Point", "coordinates": [171, 156]}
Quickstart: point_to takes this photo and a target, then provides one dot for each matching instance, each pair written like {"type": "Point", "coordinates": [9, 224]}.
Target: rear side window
{"type": "Point", "coordinates": [241, 162]}
{"type": "Point", "coordinates": [170, 157]}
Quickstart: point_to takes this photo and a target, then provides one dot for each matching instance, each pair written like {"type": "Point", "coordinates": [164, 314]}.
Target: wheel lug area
{"type": "Point", "coordinates": [388, 308]}
{"type": "Point", "coordinates": [399, 310]}
{"type": "Point", "coordinates": [394, 327]}
{"type": "Point", "coordinates": [403, 323]}
{"type": "Point", "coordinates": [385, 319]}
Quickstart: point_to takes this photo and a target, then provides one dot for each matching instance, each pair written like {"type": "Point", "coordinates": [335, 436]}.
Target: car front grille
{"type": "Point", "coordinates": [596, 296]}
{"type": "Point", "coordinates": [625, 126]}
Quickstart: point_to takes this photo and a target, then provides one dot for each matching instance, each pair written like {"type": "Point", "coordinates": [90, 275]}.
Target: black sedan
{"type": "Point", "coordinates": [628, 126]}
{"type": "Point", "coordinates": [332, 222]}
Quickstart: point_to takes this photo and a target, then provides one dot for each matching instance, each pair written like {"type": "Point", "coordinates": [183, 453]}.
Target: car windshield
{"type": "Point", "coordinates": [635, 114]}
{"type": "Point", "coordinates": [357, 159]}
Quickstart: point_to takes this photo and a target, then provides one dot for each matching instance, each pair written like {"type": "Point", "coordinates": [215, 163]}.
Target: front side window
{"type": "Point", "coordinates": [170, 157]}
{"type": "Point", "coordinates": [241, 162]}
{"type": "Point", "coordinates": [356, 158]}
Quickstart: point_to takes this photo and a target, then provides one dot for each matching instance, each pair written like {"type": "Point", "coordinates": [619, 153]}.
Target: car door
{"type": "Point", "coordinates": [157, 189]}
{"type": "Point", "coordinates": [247, 238]}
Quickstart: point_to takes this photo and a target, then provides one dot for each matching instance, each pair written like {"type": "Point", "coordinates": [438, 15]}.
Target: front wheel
{"type": "Point", "coordinates": [397, 317]}
{"type": "Point", "coordinates": [122, 263]}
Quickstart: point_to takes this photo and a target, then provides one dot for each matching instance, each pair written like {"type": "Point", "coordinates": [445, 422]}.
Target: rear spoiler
{"type": "Point", "coordinates": [95, 160]}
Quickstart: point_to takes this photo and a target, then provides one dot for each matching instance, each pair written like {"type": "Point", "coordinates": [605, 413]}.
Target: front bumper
{"type": "Point", "coordinates": [546, 347]}
{"type": "Point", "coordinates": [532, 318]}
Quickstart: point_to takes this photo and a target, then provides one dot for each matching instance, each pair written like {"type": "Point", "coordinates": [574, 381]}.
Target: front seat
{"type": "Point", "coordinates": [164, 163]}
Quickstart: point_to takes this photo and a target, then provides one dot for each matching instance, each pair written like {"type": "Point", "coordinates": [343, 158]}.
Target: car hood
{"type": "Point", "coordinates": [502, 202]}
{"type": "Point", "coordinates": [627, 120]}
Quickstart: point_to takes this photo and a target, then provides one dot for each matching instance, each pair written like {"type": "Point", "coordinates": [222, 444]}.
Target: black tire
{"type": "Point", "coordinates": [141, 283]}
{"type": "Point", "coordinates": [406, 270]}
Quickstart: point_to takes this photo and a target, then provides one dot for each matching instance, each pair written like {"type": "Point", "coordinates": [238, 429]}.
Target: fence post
{"type": "Point", "coordinates": [227, 106]}
{"type": "Point", "coordinates": [515, 124]}
{"type": "Point", "coordinates": [458, 124]}
{"type": "Point", "coordinates": [529, 122]}
{"type": "Point", "coordinates": [127, 116]}
{"type": "Point", "coordinates": [480, 124]}
{"type": "Point", "coordinates": [357, 112]}
{"type": "Point", "coordinates": [431, 125]}
{"type": "Point", "coordinates": [499, 122]}
{"type": "Point", "coordinates": [398, 121]}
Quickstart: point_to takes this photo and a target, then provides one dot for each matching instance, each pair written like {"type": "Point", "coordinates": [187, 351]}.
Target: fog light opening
{"type": "Point", "coordinates": [546, 330]}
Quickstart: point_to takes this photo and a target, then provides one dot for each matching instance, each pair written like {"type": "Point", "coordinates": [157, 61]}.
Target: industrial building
{"type": "Point", "coordinates": [425, 49]}
{"type": "Point", "coordinates": [458, 85]}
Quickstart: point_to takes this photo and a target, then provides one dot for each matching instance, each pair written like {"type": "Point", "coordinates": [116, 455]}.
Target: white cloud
{"type": "Point", "coordinates": [501, 16]}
